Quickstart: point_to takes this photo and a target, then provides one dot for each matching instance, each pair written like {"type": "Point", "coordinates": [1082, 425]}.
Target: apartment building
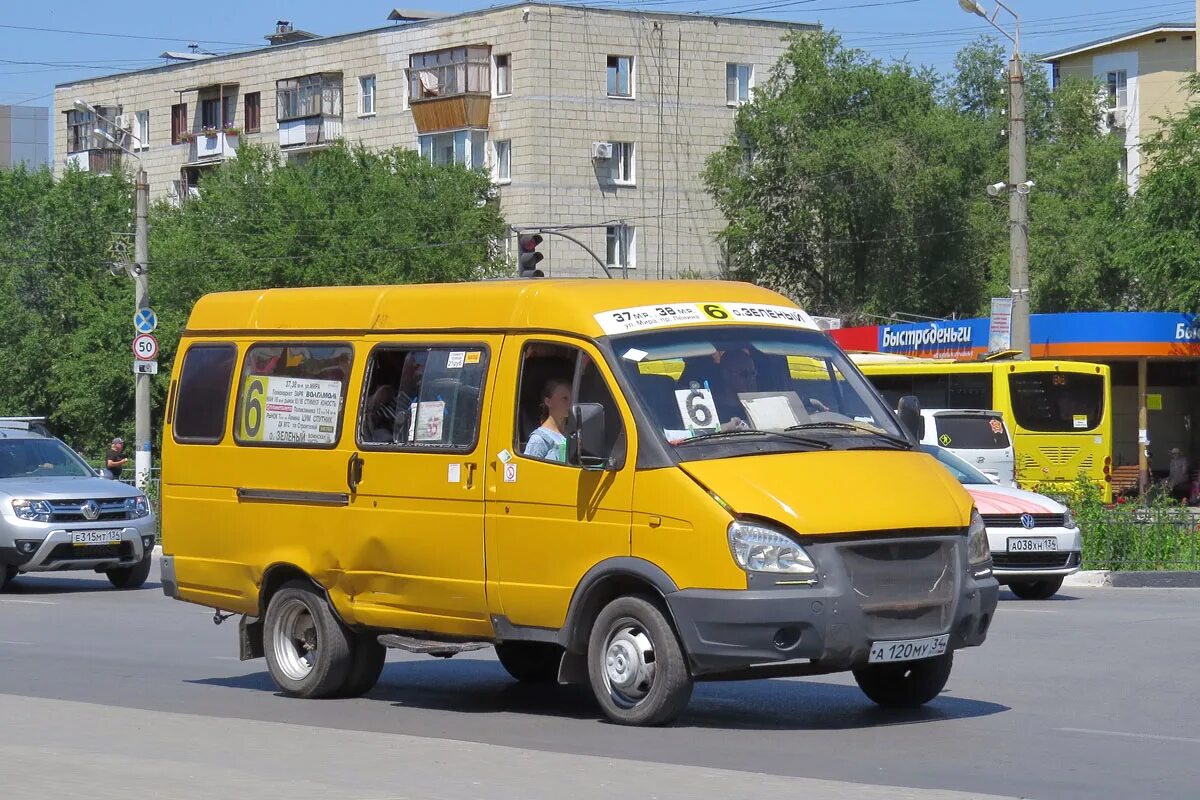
{"type": "Point", "coordinates": [595, 118]}
{"type": "Point", "coordinates": [24, 136]}
{"type": "Point", "coordinates": [1140, 73]}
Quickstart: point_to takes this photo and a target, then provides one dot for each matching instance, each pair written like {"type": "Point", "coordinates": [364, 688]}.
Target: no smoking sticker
{"type": "Point", "coordinates": [510, 472]}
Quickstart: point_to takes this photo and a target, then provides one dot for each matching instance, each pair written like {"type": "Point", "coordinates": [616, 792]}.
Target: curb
{"type": "Point", "coordinates": [1184, 579]}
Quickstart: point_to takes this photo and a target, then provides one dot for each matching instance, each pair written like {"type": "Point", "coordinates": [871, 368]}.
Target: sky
{"type": "Point", "coordinates": [75, 39]}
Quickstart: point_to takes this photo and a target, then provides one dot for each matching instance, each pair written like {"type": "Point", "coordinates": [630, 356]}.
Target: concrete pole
{"type": "Point", "coordinates": [1018, 208]}
{"type": "Point", "coordinates": [1143, 430]}
{"type": "Point", "coordinates": [141, 256]}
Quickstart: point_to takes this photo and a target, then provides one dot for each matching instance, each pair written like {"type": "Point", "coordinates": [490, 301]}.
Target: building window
{"type": "Point", "coordinates": [366, 95]}
{"type": "Point", "coordinates": [458, 70]}
{"type": "Point", "coordinates": [179, 122]}
{"type": "Point", "coordinates": [1055, 75]}
{"type": "Point", "coordinates": [140, 134]}
{"type": "Point", "coordinates": [503, 73]}
{"type": "Point", "coordinates": [80, 125]}
{"type": "Point", "coordinates": [621, 246]}
{"type": "Point", "coordinates": [623, 164]}
{"type": "Point", "coordinates": [1124, 166]}
{"type": "Point", "coordinates": [1118, 90]}
{"type": "Point", "coordinates": [620, 76]}
{"type": "Point", "coordinates": [502, 161]}
{"type": "Point", "coordinates": [739, 80]}
{"type": "Point", "coordinates": [253, 112]}
{"type": "Point", "coordinates": [210, 113]}
{"type": "Point", "coordinates": [310, 96]}
{"type": "Point", "coordinates": [465, 148]}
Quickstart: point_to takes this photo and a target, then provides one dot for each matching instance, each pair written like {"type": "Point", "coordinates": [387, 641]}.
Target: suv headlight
{"type": "Point", "coordinates": [977, 544]}
{"type": "Point", "coordinates": [758, 548]}
{"type": "Point", "coordinates": [136, 507]}
{"type": "Point", "coordinates": [1068, 519]}
{"type": "Point", "coordinates": [32, 510]}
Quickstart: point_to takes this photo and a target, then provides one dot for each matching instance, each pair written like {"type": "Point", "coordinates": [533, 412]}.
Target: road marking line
{"type": "Point", "coordinates": [225, 658]}
{"type": "Point", "coordinates": [5, 641]}
{"type": "Point", "coordinates": [1030, 610]}
{"type": "Point", "coordinates": [27, 602]}
{"type": "Point", "coordinates": [1152, 736]}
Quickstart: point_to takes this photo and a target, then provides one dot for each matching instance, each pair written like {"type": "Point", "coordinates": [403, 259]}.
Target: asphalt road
{"type": "Point", "coordinates": [119, 694]}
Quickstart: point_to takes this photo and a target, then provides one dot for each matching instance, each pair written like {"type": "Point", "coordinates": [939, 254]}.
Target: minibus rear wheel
{"type": "Point", "coordinates": [636, 664]}
{"type": "Point", "coordinates": [906, 684]}
{"type": "Point", "coordinates": [365, 666]}
{"type": "Point", "coordinates": [309, 651]}
{"type": "Point", "coordinates": [530, 662]}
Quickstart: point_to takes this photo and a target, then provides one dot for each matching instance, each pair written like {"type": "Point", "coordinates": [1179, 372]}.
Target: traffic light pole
{"type": "Point", "coordinates": [141, 257]}
{"type": "Point", "coordinates": [599, 261]}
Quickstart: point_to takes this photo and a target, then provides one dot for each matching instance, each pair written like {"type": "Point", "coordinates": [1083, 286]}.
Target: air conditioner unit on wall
{"type": "Point", "coordinates": [1115, 119]}
{"type": "Point", "coordinates": [602, 150]}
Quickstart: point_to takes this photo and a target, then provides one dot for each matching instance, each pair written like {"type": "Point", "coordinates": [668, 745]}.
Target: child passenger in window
{"type": "Point", "coordinates": [549, 442]}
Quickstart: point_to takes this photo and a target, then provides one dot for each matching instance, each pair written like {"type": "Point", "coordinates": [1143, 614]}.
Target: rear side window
{"type": "Point", "coordinates": [423, 398]}
{"type": "Point", "coordinates": [203, 393]}
{"type": "Point", "coordinates": [971, 432]}
{"type": "Point", "coordinates": [293, 394]}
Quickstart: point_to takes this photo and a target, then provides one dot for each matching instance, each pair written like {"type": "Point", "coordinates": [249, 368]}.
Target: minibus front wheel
{"type": "Point", "coordinates": [636, 664]}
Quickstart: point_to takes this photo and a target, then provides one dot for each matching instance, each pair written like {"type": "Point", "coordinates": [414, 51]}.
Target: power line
{"type": "Point", "coordinates": [128, 36]}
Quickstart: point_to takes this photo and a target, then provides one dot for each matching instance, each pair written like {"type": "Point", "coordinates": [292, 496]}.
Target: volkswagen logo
{"type": "Point", "coordinates": [1027, 521]}
{"type": "Point", "coordinates": [90, 510]}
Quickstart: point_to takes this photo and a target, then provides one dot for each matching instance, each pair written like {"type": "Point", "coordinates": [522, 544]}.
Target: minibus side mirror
{"type": "Point", "coordinates": [910, 416]}
{"type": "Point", "coordinates": [585, 437]}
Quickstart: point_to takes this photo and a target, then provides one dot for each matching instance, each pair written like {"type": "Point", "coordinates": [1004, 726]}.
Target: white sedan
{"type": "Point", "coordinates": [1034, 540]}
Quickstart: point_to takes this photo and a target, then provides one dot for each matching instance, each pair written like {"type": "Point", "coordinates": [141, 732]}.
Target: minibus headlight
{"type": "Point", "coordinates": [758, 548]}
{"type": "Point", "coordinates": [1068, 519]}
{"type": "Point", "coordinates": [977, 543]}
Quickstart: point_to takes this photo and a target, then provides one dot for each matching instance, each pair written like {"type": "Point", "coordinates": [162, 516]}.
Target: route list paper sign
{"type": "Point", "coordinates": [290, 410]}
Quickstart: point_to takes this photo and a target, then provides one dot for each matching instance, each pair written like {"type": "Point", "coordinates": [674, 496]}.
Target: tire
{"type": "Point", "coordinates": [366, 663]}
{"type": "Point", "coordinates": [1036, 590]}
{"type": "Point", "coordinates": [309, 651]}
{"type": "Point", "coordinates": [530, 662]}
{"type": "Point", "coordinates": [7, 574]}
{"type": "Point", "coordinates": [631, 688]}
{"type": "Point", "coordinates": [130, 577]}
{"type": "Point", "coordinates": [909, 684]}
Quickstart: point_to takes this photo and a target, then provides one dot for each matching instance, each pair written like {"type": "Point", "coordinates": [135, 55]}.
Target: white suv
{"type": "Point", "coordinates": [57, 514]}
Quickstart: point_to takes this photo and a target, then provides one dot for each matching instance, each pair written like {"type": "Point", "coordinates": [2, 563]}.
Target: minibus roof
{"type": "Point", "coordinates": [529, 304]}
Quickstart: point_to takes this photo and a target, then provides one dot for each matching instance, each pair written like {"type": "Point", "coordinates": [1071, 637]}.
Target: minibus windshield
{"type": "Point", "coordinates": [704, 384]}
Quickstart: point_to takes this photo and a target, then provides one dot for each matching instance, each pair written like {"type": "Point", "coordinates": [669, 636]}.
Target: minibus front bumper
{"type": "Point", "coordinates": [864, 592]}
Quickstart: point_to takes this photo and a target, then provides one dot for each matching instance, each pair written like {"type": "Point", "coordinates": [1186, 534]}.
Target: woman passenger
{"type": "Point", "coordinates": [549, 442]}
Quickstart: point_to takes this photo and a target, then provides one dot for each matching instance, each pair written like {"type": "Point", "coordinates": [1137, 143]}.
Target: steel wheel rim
{"type": "Point", "coordinates": [295, 640]}
{"type": "Point", "coordinates": [628, 664]}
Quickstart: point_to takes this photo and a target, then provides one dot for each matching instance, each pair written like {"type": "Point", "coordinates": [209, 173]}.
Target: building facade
{"type": "Point", "coordinates": [24, 136]}
{"type": "Point", "coordinates": [600, 119]}
{"type": "Point", "coordinates": [1140, 74]}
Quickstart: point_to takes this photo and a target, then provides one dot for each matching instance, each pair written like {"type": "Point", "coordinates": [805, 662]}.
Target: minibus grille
{"type": "Point", "coordinates": [905, 589]}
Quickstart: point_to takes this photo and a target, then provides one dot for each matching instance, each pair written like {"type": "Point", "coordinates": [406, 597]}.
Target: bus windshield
{"type": "Point", "coordinates": [705, 382]}
{"type": "Point", "coordinates": [1056, 402]}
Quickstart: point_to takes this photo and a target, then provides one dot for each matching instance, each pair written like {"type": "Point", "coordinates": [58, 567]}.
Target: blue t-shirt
{"type": "Point", "coordinates": [547, 445]}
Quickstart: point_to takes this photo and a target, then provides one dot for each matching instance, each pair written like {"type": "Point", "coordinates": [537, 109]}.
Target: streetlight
{"type": "Point", "coordinates": [1018, 185]}
{"type": "Point", "coordinates": [141, 258]}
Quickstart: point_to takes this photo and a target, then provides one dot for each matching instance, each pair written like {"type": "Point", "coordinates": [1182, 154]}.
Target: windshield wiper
{"type": "Point", "coordinates": [896, 440]}
{"type": "Point", "coordinates": [815, 443]}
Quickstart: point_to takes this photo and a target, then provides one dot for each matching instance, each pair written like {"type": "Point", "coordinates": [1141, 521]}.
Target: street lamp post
{"type": "Point", "coordinates": [1018, 184]}
{"type": "Point", "coordinates": [141, 258]}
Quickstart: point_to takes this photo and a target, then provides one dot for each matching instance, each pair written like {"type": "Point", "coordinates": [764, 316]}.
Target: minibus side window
{"type": "Point", "coordinates": [292, 394]}
{"type": "Point", "coordinates": [423, 398]}
{"type": "Point", "coordinates": [203, 393]}
{"type": "Point", "coordinates": [547, 367]}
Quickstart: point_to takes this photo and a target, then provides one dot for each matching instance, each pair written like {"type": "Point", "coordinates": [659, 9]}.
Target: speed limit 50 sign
{"type": "Point", "coordinates": [145, 347]}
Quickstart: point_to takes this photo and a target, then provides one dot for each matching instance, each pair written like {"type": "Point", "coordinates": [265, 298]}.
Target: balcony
{"type": "Point", "coordinates": [309, 133]}
{"type": "Point", "coordinates": [450, 89]}
{"type": "Point", "coordinates": [102, 161]}
{"type": "Point", "coordinates": [213, 146]}
{"type": "Point", "coordinates": [309, 110]}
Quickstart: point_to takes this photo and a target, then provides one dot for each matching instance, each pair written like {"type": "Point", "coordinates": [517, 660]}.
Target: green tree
{"type": "Point", "coordinates": [1162, 240]}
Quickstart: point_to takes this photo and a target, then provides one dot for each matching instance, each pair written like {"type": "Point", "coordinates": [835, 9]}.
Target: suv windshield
{"type": "Point", "coordinates": [961, 470]}
{"type": "Point", "coordinates": [40, 458]}
{"type": "Point", "coordinates": [705, 382]}
{"type": "Point", "coordinates": [1057, 402]}
{"type": "Point", "coordinates": [971, 432]}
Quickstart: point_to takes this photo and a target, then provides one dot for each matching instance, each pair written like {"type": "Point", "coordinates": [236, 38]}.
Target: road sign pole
{"type": "Point", "coordinates": [141, 255]}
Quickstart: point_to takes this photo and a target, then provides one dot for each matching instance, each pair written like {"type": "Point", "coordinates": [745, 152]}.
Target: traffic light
{"type": "Point", "coordinates": [527, 255]}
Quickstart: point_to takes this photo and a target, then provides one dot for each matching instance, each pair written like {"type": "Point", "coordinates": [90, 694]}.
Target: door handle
{"type": "Point", "coordinates": [470, 475]}
{"type": "Point", "coordinates": [354, 472]}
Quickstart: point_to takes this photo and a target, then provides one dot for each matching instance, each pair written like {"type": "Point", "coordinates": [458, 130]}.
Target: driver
{"type": "Point", "coordinates": [737, 374]}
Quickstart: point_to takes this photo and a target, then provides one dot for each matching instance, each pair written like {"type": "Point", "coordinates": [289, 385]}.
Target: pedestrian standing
{"type": "Point", "coordinates": [115, 460]}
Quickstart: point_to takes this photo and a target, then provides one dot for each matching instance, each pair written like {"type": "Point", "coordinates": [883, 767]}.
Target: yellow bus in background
{"type": "Point", "coordinates": [1059, 412]}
